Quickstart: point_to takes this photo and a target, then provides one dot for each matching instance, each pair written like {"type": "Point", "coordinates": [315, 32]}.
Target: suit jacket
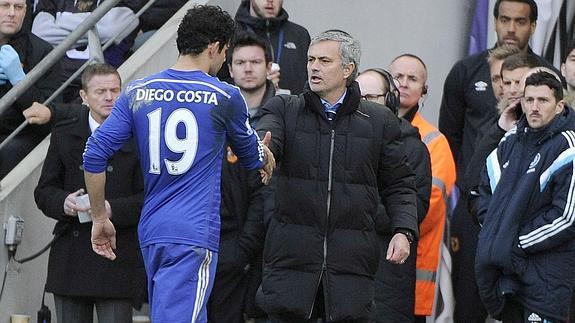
{"type": "Point", "coordinates": [73, 268]}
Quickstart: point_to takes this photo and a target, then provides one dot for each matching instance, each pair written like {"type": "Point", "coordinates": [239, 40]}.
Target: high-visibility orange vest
{"type": "Point", "coordinates": [432, 227]}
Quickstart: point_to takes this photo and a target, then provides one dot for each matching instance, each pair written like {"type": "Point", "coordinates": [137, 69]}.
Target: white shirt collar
{"type": "Point", "coordinates": [92, 122]}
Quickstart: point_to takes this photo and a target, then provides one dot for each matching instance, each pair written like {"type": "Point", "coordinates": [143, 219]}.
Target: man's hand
{"type": "Point", "coordinates": [508, 117]}
{"type": "Point", "coordinates": [398, 250]}
{"type": "Point", "coordinates": [269, 162]}
{"type": "Point", "coordinates": [274, 76]}
{"type": "Point", "coordinates": [104, 238]}
{"type": "Point", "coordinates": [11, 65]}
{"type": "Point", "coordinates": [70, 207]}
{"type": "Point", "coordinates": [37, 114]}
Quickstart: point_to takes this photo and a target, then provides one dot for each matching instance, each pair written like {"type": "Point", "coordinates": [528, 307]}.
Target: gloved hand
{"type": "Point", "coordinates": [10, 64]}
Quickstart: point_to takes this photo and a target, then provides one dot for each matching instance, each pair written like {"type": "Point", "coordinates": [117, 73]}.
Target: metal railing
{"type": "Point", "coordinates": [96, 55]}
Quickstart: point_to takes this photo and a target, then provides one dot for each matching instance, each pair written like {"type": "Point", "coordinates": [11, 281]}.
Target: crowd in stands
{"type": "Point", "coordinates": [354, 224]}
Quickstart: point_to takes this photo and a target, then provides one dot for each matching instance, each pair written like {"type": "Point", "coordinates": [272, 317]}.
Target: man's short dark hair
{"type": "Point", "coordinates": [97, 69]}
{"type": "Point", "coordinates": [532, 6]}
{"type": "Point", "coordinates": [570, 47]}
{"type": "Point", "coordinates": [542, 78]}
{"type": "Point", "coordinates": [243, 39]}
{"type": "Point", "coordinates": [519, 60]}
{"type": "Point", "coordinates": [201, 26]}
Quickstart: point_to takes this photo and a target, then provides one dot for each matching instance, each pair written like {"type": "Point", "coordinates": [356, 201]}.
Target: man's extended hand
{"type": "Point", "coordinates": [11, 65]}
{"type": "Point", "coordinates": [398, 249]}
{"type": "Point", "coordinates": [104, 238]}
{"type": "Point", "coordinates": [269, 160]}
{"type": "Point", "coordinates": [37, 114]}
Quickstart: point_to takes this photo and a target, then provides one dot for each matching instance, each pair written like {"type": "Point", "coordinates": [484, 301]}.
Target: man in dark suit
{"type": "Point", "coordinates": [75, 272]}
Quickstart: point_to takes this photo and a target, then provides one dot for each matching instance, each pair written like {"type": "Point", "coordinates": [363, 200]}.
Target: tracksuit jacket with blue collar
{"type": "Point", "coordinates": [527, 207]}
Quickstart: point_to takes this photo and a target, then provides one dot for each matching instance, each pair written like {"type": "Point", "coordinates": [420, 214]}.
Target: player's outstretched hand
{"type": "Point", "coordinates": [104, 238]}
{"type": "Point", "coordinates": [270, 162]}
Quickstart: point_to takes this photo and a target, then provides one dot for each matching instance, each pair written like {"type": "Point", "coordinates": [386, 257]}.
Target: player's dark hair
{"type": "Point", "coordinates": [201, 26]}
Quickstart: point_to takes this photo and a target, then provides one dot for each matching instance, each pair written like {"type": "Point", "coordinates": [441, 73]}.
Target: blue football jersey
{"type": "Point", "coordinates": [181, 121]}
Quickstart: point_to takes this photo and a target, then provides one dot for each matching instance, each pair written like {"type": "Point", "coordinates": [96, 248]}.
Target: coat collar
{"type": "Point", "coordinates": [349, 106]}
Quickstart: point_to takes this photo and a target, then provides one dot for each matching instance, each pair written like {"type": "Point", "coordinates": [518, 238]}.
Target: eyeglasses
{"type": "Point", "coordinates": [372, 97]}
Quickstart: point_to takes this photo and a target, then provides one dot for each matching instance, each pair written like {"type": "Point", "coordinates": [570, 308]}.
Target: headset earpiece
{"type": "Point", "coordinates": [391, 97]}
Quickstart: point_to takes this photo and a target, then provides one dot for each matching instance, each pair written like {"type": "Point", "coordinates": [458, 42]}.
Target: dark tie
{"type": "Point", "coordinates": [330, 115]}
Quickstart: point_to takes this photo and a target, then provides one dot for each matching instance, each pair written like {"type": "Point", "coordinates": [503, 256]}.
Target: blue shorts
{"type": "Point", "coordinates": [180, 280]}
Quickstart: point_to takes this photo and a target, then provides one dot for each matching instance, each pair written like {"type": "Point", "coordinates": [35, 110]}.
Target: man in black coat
{"type": "Point", "coordinates": [340, 157]}
{"type": "Point", "coordinates": [287, 41]}
{"type": "Point", "coordinates": [75, 273]}
{"type": "Point", "coordinates": [21, 51]}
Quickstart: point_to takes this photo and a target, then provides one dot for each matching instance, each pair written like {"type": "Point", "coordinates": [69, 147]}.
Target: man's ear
{"type": "Point", "coordinates": [533, 26]}
{"type": "Point", "coordinates": [84, 97]}
{"type": "Point", "coordinates": [213, 49]}
{"type": "Point", "coordinates": [559, 107]}
{"type": "Point", "coordinates": [563, 69]}
{"type": "Point", "coordinates": [348, 70]}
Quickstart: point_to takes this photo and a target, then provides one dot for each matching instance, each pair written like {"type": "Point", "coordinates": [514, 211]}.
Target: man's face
{"type": "Point", "coordinates": [326, 73]}
{"type": "Point", "coordinates": [513, 82]}
{"type": "Point", "coordinates": [101, 94]}
{"type": "Point", "coordinates": [568, 70]}
{"type": "Point", "coordinates": [411, 77]}
{"type": "Point", "coordinates": [540, 105]}
{"type": "Point", "coordinates": [12, 14]}
{"type": "Point", "coordinates": [513, 26]}
{"type": "Point", "coordinates": [248, 68]}
{"type": "Point", "coordinates": [265, 8]}
{"type": "Point", "coordinates": [372, 87]}
{"type": "Point", "coordinates": [496, 84]}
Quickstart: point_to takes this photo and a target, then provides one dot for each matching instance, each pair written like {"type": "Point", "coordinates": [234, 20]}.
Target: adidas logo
{"type": "Point", "coordinates": [534, 318]}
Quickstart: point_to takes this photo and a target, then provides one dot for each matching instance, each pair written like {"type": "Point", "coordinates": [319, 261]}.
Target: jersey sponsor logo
{"type": "Point", "coordinates": [534, 163]}
{"type": "Point", "coordinates": [480, 86]}
{"type": "Point", "coordinates": [188, 96]}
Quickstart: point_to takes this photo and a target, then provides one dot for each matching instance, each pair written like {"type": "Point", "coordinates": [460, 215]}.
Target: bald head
{"type": "Point", "coordinates": [411, 74]}
{"type": "Point", "coordinates": [373, 86]}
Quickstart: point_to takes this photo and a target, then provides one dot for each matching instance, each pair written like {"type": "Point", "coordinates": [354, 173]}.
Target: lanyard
{"type": "Point", "coordinates": [280, 46]}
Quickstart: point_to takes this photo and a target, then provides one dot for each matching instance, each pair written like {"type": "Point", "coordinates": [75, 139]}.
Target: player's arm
{"type": "Point", "coordinates": [242, 138]}
{"type": "Point", "coordinates": [103, 143]}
